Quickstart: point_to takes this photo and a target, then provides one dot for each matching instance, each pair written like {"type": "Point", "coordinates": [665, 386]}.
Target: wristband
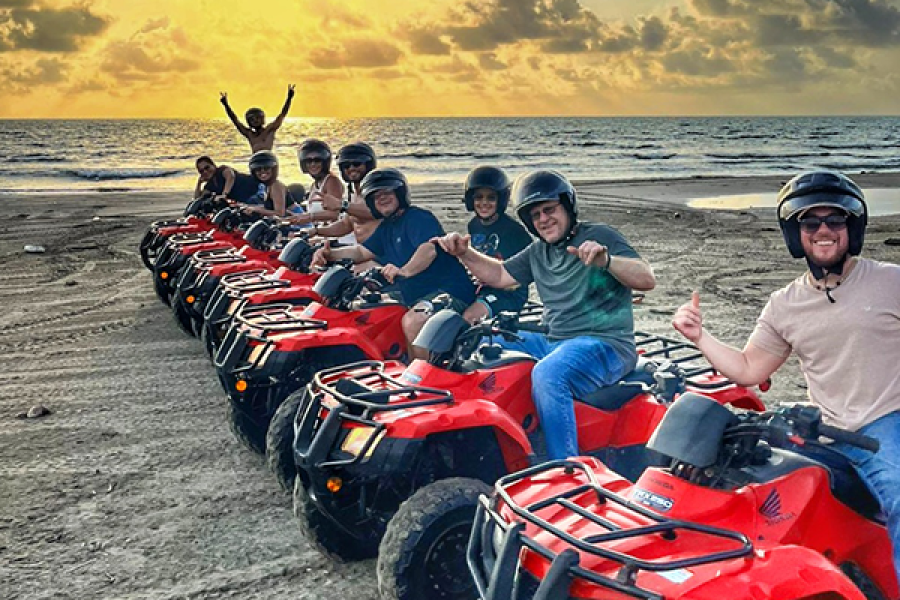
{"type": "Point", "coordinates": [345, 204]}
{"type": "Point", "coordinates": [608, 261]}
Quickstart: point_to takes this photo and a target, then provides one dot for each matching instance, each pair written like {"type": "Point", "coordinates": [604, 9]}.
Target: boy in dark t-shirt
{"type": "Point", "coordinates": [402, 243]}
{"type": "Point", "coordinates": [494, 234]}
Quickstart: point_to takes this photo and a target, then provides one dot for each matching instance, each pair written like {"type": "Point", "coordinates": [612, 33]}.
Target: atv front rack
{"type": "Point", "coordinates": [354, 393]}
{"type": "Point", "coordinates": [495, 569]}
{"type": "Point", "coordinates": [698, 373]}
{"type": "Point", "coordinates": [236, 286]}
{"type": "Point", "coordinates": [256, 324]}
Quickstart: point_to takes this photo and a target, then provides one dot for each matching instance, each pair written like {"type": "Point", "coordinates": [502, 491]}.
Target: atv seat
{"type": "Point", "coordinates": [615, 396]}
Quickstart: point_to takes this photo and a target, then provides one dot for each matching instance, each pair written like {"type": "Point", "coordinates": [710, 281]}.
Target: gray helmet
{"type": "Point", "coordinates": [314, 149]}
{"type": "Point", "coordinates": [356, 152]}
{"type": "Point", "coordinates": [384, 179]}
{"type": "Point", "coordinates": [486, 177]}
{"type": "Point", "coordinates": [821, 188]}
{"type": "Point", "coordinates": [542, 186]}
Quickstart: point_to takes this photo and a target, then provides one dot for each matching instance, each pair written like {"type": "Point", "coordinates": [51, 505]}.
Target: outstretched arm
{"type": "Point", "coordinates": [274, 125]}
{"type": "Point", "coordinates": [234, 119]}
{"type": "Point", "coordinates": [487, 270]}
{"type": "Point", "coordinates": [634, 273]}
{"type": "Point", "coordinates": [750, 366]}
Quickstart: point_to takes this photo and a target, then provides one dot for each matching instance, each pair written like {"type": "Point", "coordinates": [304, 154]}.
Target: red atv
{"type": "Point", "coordinates": [229, 231]}
{"type": "Point", "coordinates": [753, 506]}
{"type": "Point", "coordinates": [402, 454]}
{"type": "Point", "coordinates": [197, 218]}
{"type": "Point", "coordinates": [292, 284]}
{"type": "Point", "coordinates": [274, 349]}
{"type": "Point", "coordinates": [199, 278]}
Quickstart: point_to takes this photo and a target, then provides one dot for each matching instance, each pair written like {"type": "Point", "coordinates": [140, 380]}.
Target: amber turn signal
{"type": "Point", "coordinates": [190, 299]}
{"type": "Point", "coordinates": [334, 484]}
{"type": "Point", "coordinates": [241, 385]}
{"type": "Point", "coordinates": [163, 275]}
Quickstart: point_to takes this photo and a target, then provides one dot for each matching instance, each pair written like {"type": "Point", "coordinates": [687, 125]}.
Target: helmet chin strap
{"type": "Point", "coordinates": [564, 241]}
{"type": "Point", "coordinates": [821, 274]}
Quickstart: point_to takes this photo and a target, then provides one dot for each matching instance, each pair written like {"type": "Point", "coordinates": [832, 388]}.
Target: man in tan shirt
{"type": "Point", "coordinates": [842, 319]}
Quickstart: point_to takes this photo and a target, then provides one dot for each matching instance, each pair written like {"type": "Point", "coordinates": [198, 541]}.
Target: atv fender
{"type": "Point", "coordinates": [782, 573]}
{"type": "Point", "coordinates": [327, 338]}
{"type": "Point", "coordinates": [470, 414]}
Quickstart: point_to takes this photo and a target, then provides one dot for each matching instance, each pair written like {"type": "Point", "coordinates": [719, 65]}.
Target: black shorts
{"type": "Point", "coordinates": [428, 305]}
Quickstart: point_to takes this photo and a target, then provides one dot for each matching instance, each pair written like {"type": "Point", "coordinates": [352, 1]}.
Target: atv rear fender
{"type": "Point", "coordinates": [467, 415]}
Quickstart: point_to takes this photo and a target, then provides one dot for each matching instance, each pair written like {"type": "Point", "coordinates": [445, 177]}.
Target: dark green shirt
{"type": "Point", "coordinates": [580, 300]}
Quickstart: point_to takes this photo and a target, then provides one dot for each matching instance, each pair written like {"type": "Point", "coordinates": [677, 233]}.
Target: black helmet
{"type": "Point", "coordinates": [821, 188]}
{"type": "Point", "coordinates": [356, 152]}
{"type": "Point", "coordinates": [254, 111]}
{"type": "Point", "coordinates": [491, 178]}
{"type": "Point", "coordinates": [296, 192]}
{"type": "Point", "coordinates": [542, 186]}
{"type": "Point", "coordinates": [264, 158]}
{"type": "Point", "coordinates": [384, 179]}
{"type": "Point", "coordinates": [313, 148]}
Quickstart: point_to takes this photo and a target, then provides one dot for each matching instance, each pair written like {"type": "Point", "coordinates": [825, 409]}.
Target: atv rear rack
{"type": "Point", "coordinates": [684, 354]}
{"type": "Point", "coordinates": [495, 569]}
{"type": "Point", "coordinates": [256, 324]}
{"type": "Point", "coordinates": [363, 390]}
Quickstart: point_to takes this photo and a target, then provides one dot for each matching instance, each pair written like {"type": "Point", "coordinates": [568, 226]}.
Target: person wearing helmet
{"type": "Point", "coordinates": [403, 244]}
{"type": "Point", "coordinates": [842, 319]}
{"type": "Point", "coordinates": [356, 224]}
{"type": "Point", "coordinates": [223, 181]}
{"type": "Point", "coordinates": [584, 274]}
{"type": "Point", "coordinates": [495, 234]}
{"type": "Point", "coordinates": [260, 135]}
{"type": "Point", "coordinates": [272, 198]}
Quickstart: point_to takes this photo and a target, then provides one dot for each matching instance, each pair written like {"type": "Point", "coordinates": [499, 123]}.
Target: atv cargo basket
{"type": "Point", "coordinates": [236, 285]}
{"type": "Point", "coordinates": [698, 373]}
{"type": "Point", "coordinates": [497, 569]}
{"type": "Point", "coordinates": [256, 324]}
{"type": "Point", "coordinates": [353, 393]}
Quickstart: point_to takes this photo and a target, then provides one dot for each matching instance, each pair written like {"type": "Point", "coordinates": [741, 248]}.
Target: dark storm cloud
{"type": "Point", "coordinates": [356, 53]}
{"type": "Point", "coordinates": [27, 26]}
{"type": "Point", "coordinates": [426, 41]}
{"type": "Point", "coordinates": [790, 22]}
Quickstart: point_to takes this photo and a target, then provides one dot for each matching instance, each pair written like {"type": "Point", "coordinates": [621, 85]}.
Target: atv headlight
{"type": "Point", "coordinates": [233, 306]}
{"type": "Point", "coordinates": [357, 439]}
{"type": "Point", "coordinates": [260, 354]}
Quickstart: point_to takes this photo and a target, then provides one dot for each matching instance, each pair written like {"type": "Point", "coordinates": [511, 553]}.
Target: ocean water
{"type": "Point", "coordinates": [39, 156]}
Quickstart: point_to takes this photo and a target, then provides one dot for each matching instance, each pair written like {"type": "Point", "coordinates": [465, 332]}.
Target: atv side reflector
{"type": "Point", "coordinates": [241, 385]}
{"type": "Point", "coordinates": [163, 275]}
{"type": "Point", "coordinates": [334, 484]}
{"type": "Point", "coordinates": [190, 299]}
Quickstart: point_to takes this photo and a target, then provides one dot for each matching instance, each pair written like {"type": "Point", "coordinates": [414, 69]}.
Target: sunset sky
{"type": "Point", "coordinates": [170, 58]}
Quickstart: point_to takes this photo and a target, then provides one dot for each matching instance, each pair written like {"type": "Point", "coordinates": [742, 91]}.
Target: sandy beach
{"type": "Point", "coordinates": [134, 486]}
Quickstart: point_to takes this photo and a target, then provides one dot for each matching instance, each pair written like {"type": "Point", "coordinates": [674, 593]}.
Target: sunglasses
{"type": "Point", "coordinates": [832, 222]}
{"type": "Point", "coordinates": [352, 164]}
{"type": "Point", "coordinates": [314, 160]}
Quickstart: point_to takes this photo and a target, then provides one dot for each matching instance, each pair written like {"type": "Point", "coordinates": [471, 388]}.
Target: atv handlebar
{"type": "Point", "coordinates": [852, 438]}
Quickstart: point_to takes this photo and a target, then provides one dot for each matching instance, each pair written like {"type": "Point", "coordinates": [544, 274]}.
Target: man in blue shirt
{"type": "Point", "coordinates": [402, 243]}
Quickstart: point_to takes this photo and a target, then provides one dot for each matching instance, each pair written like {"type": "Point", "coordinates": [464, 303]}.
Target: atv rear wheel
{"type": "Point", "coordinates": [280, 440]}
{"type": "Point", "coordinates": [423, 552]}
{"type": "Point", "coordinates": [325, 535]}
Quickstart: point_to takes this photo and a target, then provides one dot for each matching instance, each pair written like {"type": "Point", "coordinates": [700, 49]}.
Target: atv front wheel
{"type": "Point", "coordinates": [325, 535]}
{"type": "Point", "coordinates": [280, 440]}
{"type": "Point", "coordinates": [423, 552]}
{"type": "Point", "coordinates": [247, 429]}
{"type": "Point", "coordinates": [181, 314]}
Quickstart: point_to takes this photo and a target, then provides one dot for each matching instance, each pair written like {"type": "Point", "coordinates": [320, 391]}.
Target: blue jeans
{"type": "Point", "coordinates": [881, 472]}
{"type": "Point", "coordinates": [565, 370]}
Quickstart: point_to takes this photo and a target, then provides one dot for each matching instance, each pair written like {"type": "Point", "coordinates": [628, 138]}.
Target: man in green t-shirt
{"type": "Point", "coordinates": [584, 274]}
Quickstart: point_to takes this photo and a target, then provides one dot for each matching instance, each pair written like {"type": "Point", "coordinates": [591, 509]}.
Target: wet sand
{"type": "Point", "coordinates": [134, 487]}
